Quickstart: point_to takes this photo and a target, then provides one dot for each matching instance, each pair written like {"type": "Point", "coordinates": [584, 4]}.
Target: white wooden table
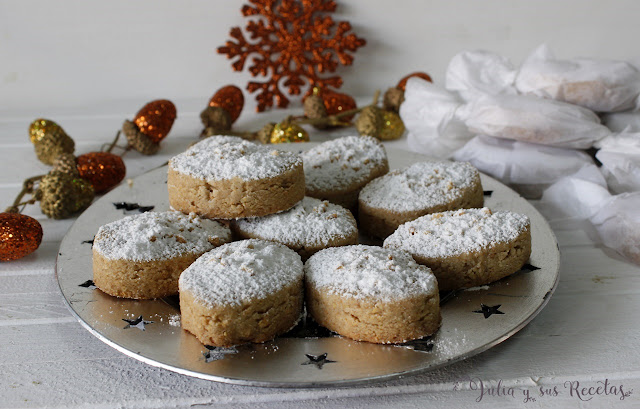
{"type": "Point", "coordinates": [588, 333]}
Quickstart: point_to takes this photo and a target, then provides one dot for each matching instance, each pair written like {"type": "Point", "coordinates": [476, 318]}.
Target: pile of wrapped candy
{"type": "Point", "coordinates": [536, 128]}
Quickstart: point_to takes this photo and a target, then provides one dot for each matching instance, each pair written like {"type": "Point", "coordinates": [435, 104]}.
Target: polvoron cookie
{"type": "Point", "coordinates": [142, 256]}
{"type": "Point", "coordinates": [422, 188]}
{"type": "Point", "coordinates": [466, 248]}
{"type": "Point", "coordinates": [336, 170]}
{"type": "Point", "coordinates": [372, 294]}
{"type": "Point", "coordinates": [308, 227]}
{"type": "Point", "coordinates": [245, 291]}
{"type": "Point", "coordinates": [226, 177]}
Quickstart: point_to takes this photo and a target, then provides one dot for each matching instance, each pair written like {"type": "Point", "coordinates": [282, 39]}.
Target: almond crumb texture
{"type": "Point", "coordinates": [336, 170]}
{"type": "Point", "coordinates": [142, 256]}
{"type": "Point", "coordinates": [309, 226]}
{"type": "Point", "coordinates": [424, 187]}
{"type": "Point", "coordinates": [225, 177]}
{"type": "Point", "coordinates": [245, 291]}
{"type": "Point", "coordinates": [466, 248]}
{"type": "Point", "coordinates": [372, 294]}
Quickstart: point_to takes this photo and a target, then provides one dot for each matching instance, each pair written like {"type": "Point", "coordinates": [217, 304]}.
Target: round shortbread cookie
{"type": "Point", "coordinates": [466, 248]}
{"type": "Point", "coordinates": [308, 227]}
{"type": "Point", "coordinates": [372, 294]}
{"type": "Point", "coordinates": [422, 188]}
{"type": "Point", "coordinates": [142, 256]}
{"type": "Point", "coordinates": [336, 170]}
{"type": "Point", "coordinates": [245, 291]}
{"type": "Point", "coordinates": [226, 177]}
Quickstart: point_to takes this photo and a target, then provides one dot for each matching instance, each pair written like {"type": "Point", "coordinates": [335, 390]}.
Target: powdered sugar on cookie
{"type": "Point", "coordinates": [228, 157]}
{"type": "Point", "coordinates": [241, 271]}
{"type": "Point", "coordinates": [457, 232]}
{"type": "Point", "coordinates": [420, 186]}
{"type": "Point", "coordinates": [342, 162]}
{"type": "Point", "coordinates": [159, 236]}
{"type": "Point", "coordinates": [310, 222]}
{"type": "Point", "coordinates": [369, 272]}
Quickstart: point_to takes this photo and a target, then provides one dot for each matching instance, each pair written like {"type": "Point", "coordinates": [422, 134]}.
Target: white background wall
{"type": "Point", "coordinates": [68, 53]}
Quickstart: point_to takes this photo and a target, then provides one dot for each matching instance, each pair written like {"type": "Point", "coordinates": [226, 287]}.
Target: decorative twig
{"type": "Point", "coordinates": [27, 187]}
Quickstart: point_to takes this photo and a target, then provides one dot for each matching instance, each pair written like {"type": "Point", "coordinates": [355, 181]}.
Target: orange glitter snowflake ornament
{"type": "Point", "coordinates": [296, 43]}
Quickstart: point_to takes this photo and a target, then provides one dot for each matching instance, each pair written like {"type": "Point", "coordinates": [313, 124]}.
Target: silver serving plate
{"type": "Point", "coordinates": [308, 356]}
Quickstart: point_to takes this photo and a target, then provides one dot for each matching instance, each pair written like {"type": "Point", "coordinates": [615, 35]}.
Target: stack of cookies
{"type": "Point", "coordinates": [293, 250]}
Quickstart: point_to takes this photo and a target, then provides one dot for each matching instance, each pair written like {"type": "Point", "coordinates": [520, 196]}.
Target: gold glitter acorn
{"type": "Point", "coordinates": [49, 140]}
{"type": "Point", "coordinates": [20, 235]}
{"type": "Point", "coordinates": [288, 133]}
{"type": "Point", "coordinates": [216, 117]}
{"type": "Point", "coordinates": [264, 134]}
{"type": "Point", "coordinates": [370, 121]}
{"type": "Point", "coordinates": [392, 126]}
{"type": "Point", "coordinates": [66, 163]}
{"type": "Point", "coordinates": [393, 98]}
{"type": "Point", "coordinates": [137, 140]}
{"type": "Point", "coordinates": [62, 194]}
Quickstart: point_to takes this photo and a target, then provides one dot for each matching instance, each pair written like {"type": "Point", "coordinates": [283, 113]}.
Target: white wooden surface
{"type": "Point", "coordinates": [587, 333]}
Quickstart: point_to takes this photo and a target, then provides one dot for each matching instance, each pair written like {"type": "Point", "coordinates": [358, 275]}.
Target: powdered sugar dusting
{"type": "Point", "coordinates": [369, 272]}
{"type": "Point", "coordinates": [420, 186]}
{"type": "Point", "coordinates": [310, 222]}
{"type": "Point", "coordinates": [241, 271]}
{"type": "Point", "coordinates": [342, 162]}
{"type": "Point", "coordinates": [457, 232]}
{"type": "Point", "coordinates": [159, 236]}
{"type": "Point", "coordinates": [228, 157]}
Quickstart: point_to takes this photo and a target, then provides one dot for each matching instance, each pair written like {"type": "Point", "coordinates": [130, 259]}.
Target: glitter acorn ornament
{"type": "Point", "coordinates": [229, 98]}
{"type": "Point", "coordinates": [370, 121]}
{"type": "Point", "coordinates": [61, 195]}
{"type": "Point", "coordinates": [150, 126]}
{"type": "Point", "coordinates": [66, 163]}
{"type": "Point", "coordinates": [392, 126]}
{"type": "Point", "coordinates": [103, 170]}
{"type": "Point", "coordinates": [285, 132]}
{"type": "Point", "coordinates": [20, 235]}
{"type": "Point", "coordinates": [325, 103]}
{"type": "Point", "coordinates": [49, 140]}
{"type": "Point", "coordinates": [394, 96]}
{"type": "Point", "coordinates": [402, 84]}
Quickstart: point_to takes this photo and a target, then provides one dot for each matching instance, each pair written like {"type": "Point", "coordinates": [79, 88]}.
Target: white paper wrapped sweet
{"type": "Point", "coordinates": [438, 119]}
{"type": "Point", "coordinates": [620, 158]}
{"type": "Point", "coordinates": [600, 85]}
{"type": "Point", "coordinates": [583, 197]}
{"type": "Point", "coordinates": [429, 114]}
{"type": "Point", "coordinates": [526, 167]}
{"type": "Point", "coordinates": [627, 121]}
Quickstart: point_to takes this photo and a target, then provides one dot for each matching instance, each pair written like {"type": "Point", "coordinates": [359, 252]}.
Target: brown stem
{"type": "Point", "coordinates": [113, 144]}
{"type": "Point", "coordinates": [27, 187]}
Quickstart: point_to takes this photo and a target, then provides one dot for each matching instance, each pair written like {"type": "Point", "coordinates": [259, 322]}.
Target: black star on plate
{"type": "Point", "coordinates": [487, 193]}
{"type": "Point", "coordinates": [488, 311]}
{"type": "Point", "coordinates": [317, 360]}
{"type": "Point", "coordinates": [421, 345]}
{"type": "Point", "coordinates": [217, 353]}
{"type": "Point", "coordinates": [89, 241]}
{"type": "Point", "coordinates": [88, 284]}
{"type": "Point", "coordinates": [132, 206]}
{"type": "Point", "coordinates": [527, 268]}
{"type": "Point", "coordinates": [137, 323]}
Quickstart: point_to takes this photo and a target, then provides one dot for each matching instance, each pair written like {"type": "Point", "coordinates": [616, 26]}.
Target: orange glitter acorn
{"type": "Point", "coordinates": [229, 98]}
{"type": "Point", "coordinates": [103, 170]}
{"type": "Point", "coordinates": [402, 84]}
{"type": "Point", "coordinates": [156, 119]}
{"type": "Point", "coordinates": [20, 235]}
{"type": "Point", "coordinates": [337, 102]}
